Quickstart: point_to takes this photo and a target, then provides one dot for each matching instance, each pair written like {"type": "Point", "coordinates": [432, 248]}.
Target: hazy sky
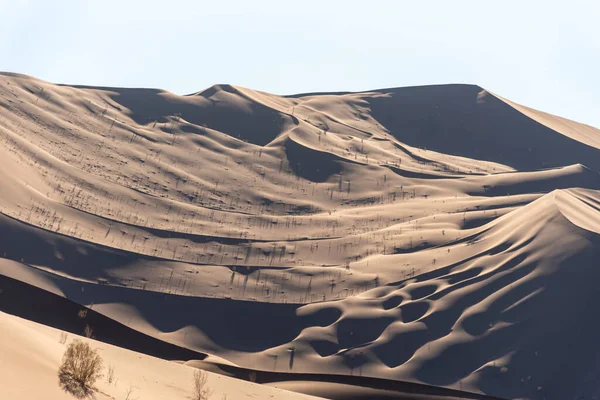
{"type": "Point", "coordinates": [544, 54]}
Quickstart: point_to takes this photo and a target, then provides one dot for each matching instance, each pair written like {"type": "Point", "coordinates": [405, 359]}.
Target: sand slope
{"type": "Point", "coordinates": [440, 235]}
{"type": "Point", "coordinates": [30, 355]}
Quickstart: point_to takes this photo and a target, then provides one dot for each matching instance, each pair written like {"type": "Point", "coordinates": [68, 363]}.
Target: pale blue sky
{"type": "Point", "coordinates": [544, 54]}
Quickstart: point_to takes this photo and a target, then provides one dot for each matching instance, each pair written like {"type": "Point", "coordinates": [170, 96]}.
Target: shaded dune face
{"type": "Point", "coordinates": [222, 108]}
{"type": "Point", "coordinates": [465, 324]}
{"type": "Point", "coordinates": [438, 235]}
{"type": "Point", "coordinates": [466, 120]}
{"type": "Point", "coordinates": [310, 164]}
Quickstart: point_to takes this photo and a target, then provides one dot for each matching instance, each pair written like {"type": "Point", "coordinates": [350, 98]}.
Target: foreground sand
{"type": "Point", "coordinates": [30, 355]}
{"type": "Point", "coordinates": [439, 235]}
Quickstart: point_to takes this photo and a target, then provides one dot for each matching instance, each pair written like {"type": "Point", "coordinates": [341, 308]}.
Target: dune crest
{"type": "Point", "coordinates": [440, 236]}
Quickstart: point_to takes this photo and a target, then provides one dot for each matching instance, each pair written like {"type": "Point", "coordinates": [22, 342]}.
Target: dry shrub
{"type": "Point", "coordinates": [89, 332]}
{"type": "Point", "coordinates": [201, 392]}
{"type": "Point", "coordinates": [129, 392]}
{"type": "Point", "coordinates": [110, 376]}
{"type": "Point", "coordinates": [81, 367]}
{"type": "Point", "coordinates": [252, 376]}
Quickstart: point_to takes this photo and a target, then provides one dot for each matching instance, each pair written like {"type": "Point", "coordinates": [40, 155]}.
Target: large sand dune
{"type": "Point", "coordinates": [31, 353]}
{"type": "Point", "coordinates": [438, 235]}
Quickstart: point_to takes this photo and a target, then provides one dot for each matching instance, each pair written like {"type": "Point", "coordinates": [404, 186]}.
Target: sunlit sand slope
{"type": "Point", "coordinates": [440, 235]}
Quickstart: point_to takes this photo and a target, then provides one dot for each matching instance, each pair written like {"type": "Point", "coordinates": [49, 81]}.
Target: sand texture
{"type": "Point", "coordinates": [439, 235]}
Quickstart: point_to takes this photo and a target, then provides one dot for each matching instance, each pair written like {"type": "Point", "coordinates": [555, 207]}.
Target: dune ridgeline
{"type": "Point", "coordinates": [436, 240]}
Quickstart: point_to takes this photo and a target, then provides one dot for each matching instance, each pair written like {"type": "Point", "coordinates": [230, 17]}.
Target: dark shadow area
{"type": "Point", "coordinates": [313, 165]}
{"type": "Point", "coordinates": [414, 310]}
{"type": "Point", "coordinates": [325, 316]}
{"type": "Point", "coordinates": [49, 309]}
{"type": "Point", "coordinates": [392, 302]}
{"type": "Point", "coordinates": [422, 291]}
{"type": "Point", "coordinates": [266, 325]}
{"type": "Point", "coordinates": [418, 175]}
{"type": "Point", "coordinates": [77, 257]}
{"type": "Point", "coordinates": [515, 183]}
{"type": "Point", "coordinates": [401, 347]}
{"type": "Point", "coordinates": [220, 107]}
{"type": "Point", "coordinates": [357, 331]}
{"type": "Point", "coordinates": [450, 119]}
{"type": "Point", "coordinates": [70, 385]}
{"type": "Point", "coordinates": [346, 387]}
{"type": "Point", "coordinates": [59, 252]}
{"type": "Point", "coordinates": [324, 348]}
{"type": "Point", "coordinates": [35, 304]}
{"type": "Point", "coordinates": [474, 222]}
{"type": "Point", "coordinates": [534, 320]}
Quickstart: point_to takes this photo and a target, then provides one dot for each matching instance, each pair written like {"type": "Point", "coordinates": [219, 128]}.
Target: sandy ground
{"type": "Point", "coordinates": [30, 355]}
{"type": "Point", "coordinates": [440, 235]}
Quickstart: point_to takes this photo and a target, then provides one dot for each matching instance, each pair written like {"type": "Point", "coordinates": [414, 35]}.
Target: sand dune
{"type": "Point", "coordinates": [439, 235]}
{"type": "Point", "coordinates": [31, 353]}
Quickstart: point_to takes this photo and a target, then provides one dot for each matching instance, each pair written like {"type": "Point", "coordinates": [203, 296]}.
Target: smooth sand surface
{"type": "Point", "coordinates": [30, 355]}
{"type": "Point", "coordinates": [440, 234]}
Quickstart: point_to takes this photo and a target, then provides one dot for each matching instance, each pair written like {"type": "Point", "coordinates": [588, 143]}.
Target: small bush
{"type": "Point", "coordinates": [129, 392]}
{"type": "Point", "coordinates": [89, 332]}
{"type": "Point", "coordinates": [81, 367]}
{"type": "Point", "coordinates": [252, 376]}
{"type": "Point", "coordinates": [110, 376]}
{"type": "Point", "coordinates": [201, 392]}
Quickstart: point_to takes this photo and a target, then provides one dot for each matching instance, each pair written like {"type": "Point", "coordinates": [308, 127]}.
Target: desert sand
{"type": "Point", "coordinates": [437, 236]}
{"type": "Point", "coordinates": [31, 353]}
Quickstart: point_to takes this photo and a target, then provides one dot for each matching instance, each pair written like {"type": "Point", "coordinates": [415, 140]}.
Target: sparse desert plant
{"type": "Point", "coordinates": [89, 332]}
{"type": "Point", "coordinates": [252, 376]}
{"type": "Point", "coordinates": [201, 392]}
{"type": "Point", "coordinates": [81, 367]}
{"type": "Point", "coordinates": [129, 392]}
{"type": "Point", "coordinates": [82, 313]}
{"type": "Point", "coordinates": [63, 338]}
{"type": "Point", "coordinates": [110, 376]}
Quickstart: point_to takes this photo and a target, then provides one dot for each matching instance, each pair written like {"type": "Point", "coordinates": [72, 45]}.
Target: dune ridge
{"type": "Point", "coordinates": [439, 235]}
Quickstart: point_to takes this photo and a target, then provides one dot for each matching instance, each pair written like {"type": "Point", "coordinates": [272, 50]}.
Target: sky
{"type": "Point", "coordinates": [543, 54]}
